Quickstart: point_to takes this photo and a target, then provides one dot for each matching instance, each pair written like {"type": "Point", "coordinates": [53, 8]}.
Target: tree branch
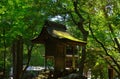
{"type": "Point", "coordinates": [75, 4]}
{"type": "Point", "coordinates": [29, 57]}
{"type": "Point", "coordinates": [111, 30]}
{"type": "Point", "coordinates": [115, 39]}
{"type": "Point", "coordinates": [103, 46]}
{"type": "Point", "coordinates": [110, 64]}
{"type": "Point", "coordinates": [73, 19]}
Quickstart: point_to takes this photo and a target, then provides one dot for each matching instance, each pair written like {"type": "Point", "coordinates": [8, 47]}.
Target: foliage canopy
{"type": "Point", "coordinates": [100, 18]}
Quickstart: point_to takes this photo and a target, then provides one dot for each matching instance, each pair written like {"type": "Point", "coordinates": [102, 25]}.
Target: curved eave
{"type": "Point", "coordinates": [57, 33]}
{"type": "Point", "coordinates": [40, 39]}
{"type": "Point", "coordinates": [37, 41]}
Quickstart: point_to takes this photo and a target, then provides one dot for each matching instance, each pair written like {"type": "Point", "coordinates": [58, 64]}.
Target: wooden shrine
{"type": "Point", "coordinates": [59, 45]}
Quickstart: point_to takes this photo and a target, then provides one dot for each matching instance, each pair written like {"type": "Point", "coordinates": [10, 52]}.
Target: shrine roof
{"type": "Point", "coordinates": [57, 31]}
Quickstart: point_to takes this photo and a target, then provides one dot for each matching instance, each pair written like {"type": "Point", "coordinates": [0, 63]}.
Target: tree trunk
{"type": "Point", "coordinates": [4, 66]}
{"type": "Point", "coordinates": [29, 48]}
{"type": "Point", "coordinates": [85, 36]}
{"type": "Point", "coordinates": [17, 50]}
{"type": "Point", "coordinates": [83, 58]}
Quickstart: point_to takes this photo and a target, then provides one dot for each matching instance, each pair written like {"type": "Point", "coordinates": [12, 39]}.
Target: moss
{"type": "Point", "coordinates": [65, 35]}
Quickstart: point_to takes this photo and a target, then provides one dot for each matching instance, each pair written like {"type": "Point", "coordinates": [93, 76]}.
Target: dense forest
{"type": "Point", "coordinates": [95, 21]}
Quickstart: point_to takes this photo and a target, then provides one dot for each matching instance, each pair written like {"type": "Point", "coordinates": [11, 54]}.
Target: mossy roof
{"type": "Point", "coordinates": [66, 35]}
{"type": "Point", "coordinates": [58, 31]}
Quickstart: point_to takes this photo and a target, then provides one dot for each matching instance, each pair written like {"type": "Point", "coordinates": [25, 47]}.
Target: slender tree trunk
{"type": "Point", "coordinates": [17, 50]}
{"type": "Point", "coordinates": [85, 36]}
{"type": "Point", "coordinates": [4, 66]}
{"type": "Point", "coordinates": [28, 61]}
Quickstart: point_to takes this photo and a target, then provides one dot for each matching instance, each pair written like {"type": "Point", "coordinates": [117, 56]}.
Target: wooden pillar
{"type": "Point", "coordinates": [17, 50]}
{"type": "Point", "coordinates": [73, 61]}
{"type": "Point", "coordinates": [73, 57]}
{"type": "Point", "coordinates": [59, 66]}
{"type": "Point", "coordinates": [59, 61]}
{"type": "Point", "coordinates": [110, 73]}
